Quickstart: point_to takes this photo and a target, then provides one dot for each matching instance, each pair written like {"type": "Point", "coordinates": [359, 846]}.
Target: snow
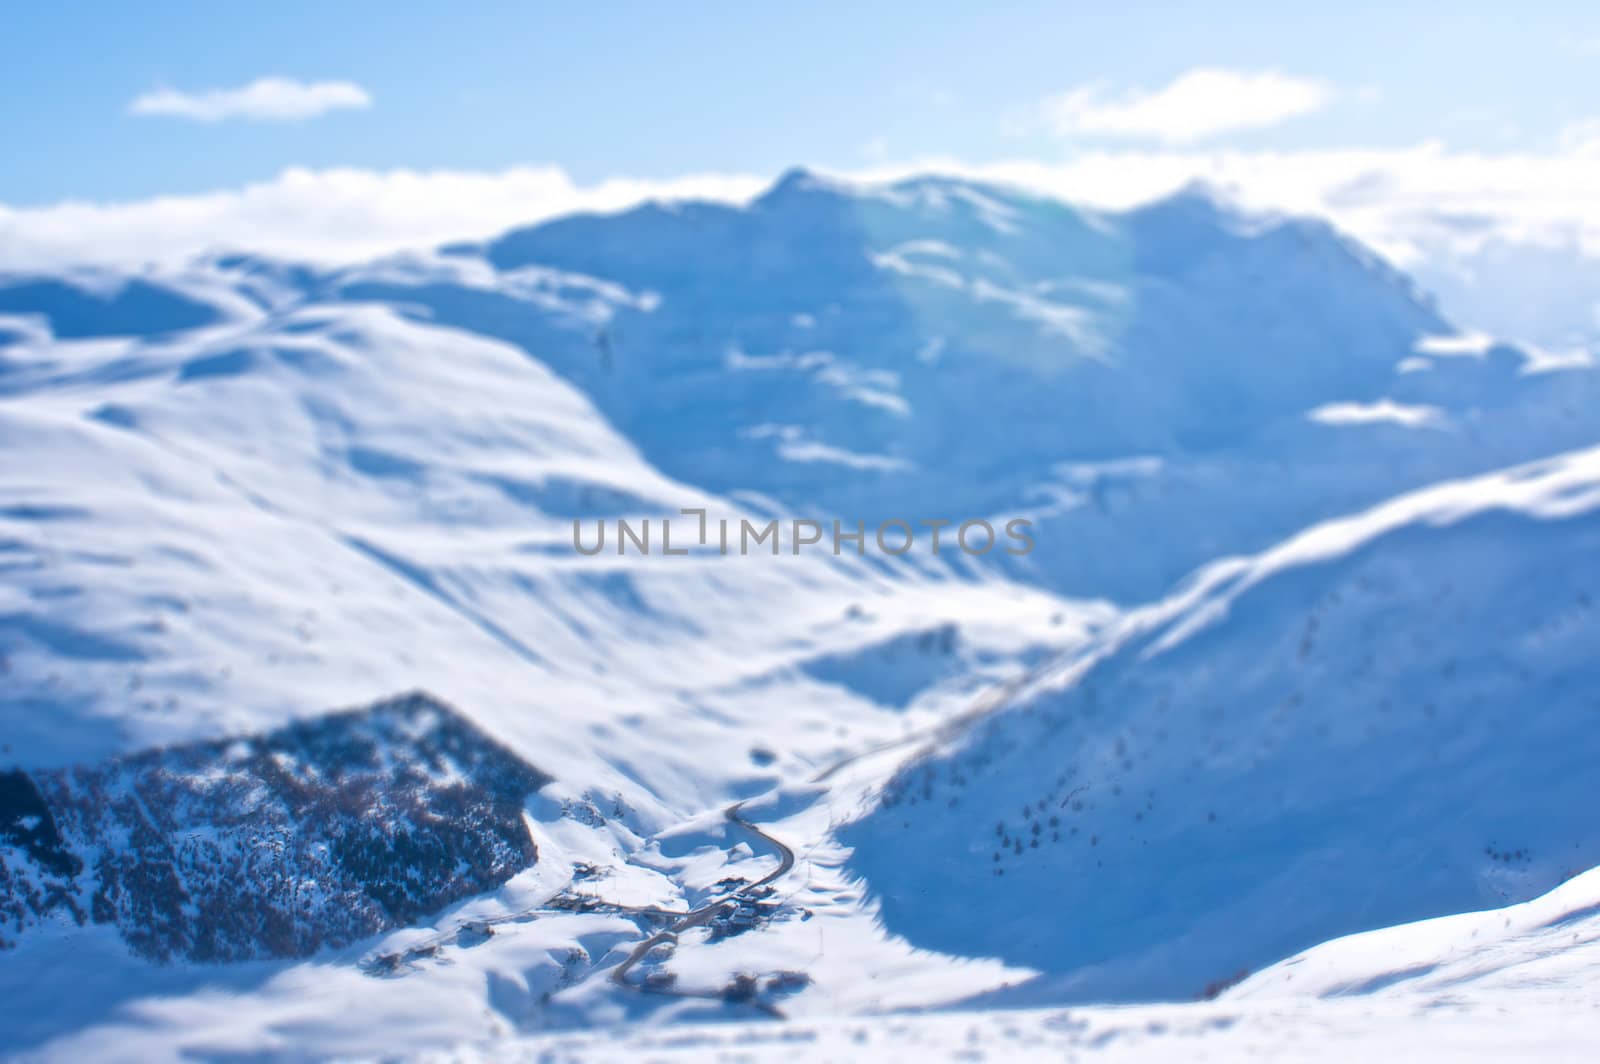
{"type": "Point", "coordinates": [1495, 985]}
{"type": "Point", "coordinates": [1474, 344]}
{"type": "Point", "coordinates": [242, 492]}
{"type": "Point", "coordinates": [360, 505]}
{"type": "Point", "coordinates": [1384, 718]}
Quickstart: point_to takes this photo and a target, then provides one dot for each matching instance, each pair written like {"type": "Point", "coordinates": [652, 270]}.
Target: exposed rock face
{"type": "Point", "coordinates": [273, 845]}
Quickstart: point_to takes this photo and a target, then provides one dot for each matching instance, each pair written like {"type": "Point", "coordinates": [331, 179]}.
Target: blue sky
{"type": "Point", "coordinates": [650, 91]}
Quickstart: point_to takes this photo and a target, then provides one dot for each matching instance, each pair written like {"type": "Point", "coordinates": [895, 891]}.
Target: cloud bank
{"type": "Point", "coordinates": [263, 100]}
{"type": "Point", "coordinates": [1198, 105]}
{"type": "Point", "coordinates": [1509, 242]}
{"type": "Point", "coordinates": [1402, 201]}
{"type": "Point", "coordinates": [328, 216]}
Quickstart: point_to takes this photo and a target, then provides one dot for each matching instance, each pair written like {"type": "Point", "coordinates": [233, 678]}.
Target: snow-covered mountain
{"type": "Point", "coordinates": [235, 495]}
{"type": "Point", "coordinates": [937, 348]}
{"type": "Point", "coordinates": [1387, 717]}
{"type": "Point", "coordinates": [216, 530]}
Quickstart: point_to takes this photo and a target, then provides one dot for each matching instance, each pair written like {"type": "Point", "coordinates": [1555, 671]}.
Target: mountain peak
{"type": "Point", "coordinates": [797, 182]}
{"type": "Point", "coordinates": [1198, 201]}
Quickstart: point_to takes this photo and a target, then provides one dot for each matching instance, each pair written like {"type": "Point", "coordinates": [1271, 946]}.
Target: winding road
{"type": "Point", "coordinates": [705, 914]}
{"type": "Point", "coordinates": [991, 700]}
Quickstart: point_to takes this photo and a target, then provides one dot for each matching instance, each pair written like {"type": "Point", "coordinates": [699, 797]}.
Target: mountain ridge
{"type": "Point", "coordinates": [1276, 739]}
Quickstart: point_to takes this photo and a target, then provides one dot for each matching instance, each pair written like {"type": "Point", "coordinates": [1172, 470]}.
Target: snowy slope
{"type": "Point", "coordinates": [220, 530]}
{"type": "Point", "coordinates": [934, 348]}
{"type": "Point", "coordinates": [1505, 984]}
{"type": "Point", "coordinates": [209, 531]}
{"type": "Point", "coordinates": [1500, 984]}
{"type": "Point", "coordinates": [1314, 813]}
{"type": "Point", "coordinates": [1386, 718]}
{"type": "Point", "coordinates": [215, 530]}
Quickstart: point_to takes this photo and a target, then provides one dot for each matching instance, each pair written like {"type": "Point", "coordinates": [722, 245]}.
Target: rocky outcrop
{"type": "Point", "coordinates": [273, 845]}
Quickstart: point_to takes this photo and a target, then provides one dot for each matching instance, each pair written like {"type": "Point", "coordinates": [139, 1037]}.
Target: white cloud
{"type": "Point", "coordinates": [263, 100]}
{"type": "Point", "coordinates": [331, 216]}
{"type": "Point", "coordinates": [1581, 138]}
{"type": "Point", "coordinates": [1196, 106]}
{"type": "Point", "coordinates": [1402, 201]}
